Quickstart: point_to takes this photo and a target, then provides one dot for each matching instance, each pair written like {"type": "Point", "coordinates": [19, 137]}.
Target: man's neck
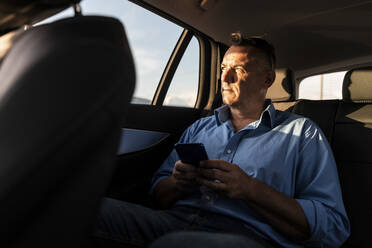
{"type": "Point", "coordinates": [241, 116]}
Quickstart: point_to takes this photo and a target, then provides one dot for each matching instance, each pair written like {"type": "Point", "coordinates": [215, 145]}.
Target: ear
{"type": "Point", "coordinates": [270, 78]}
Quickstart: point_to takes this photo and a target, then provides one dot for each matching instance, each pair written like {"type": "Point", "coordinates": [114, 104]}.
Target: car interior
{"type": "Point", "coordinates": [70, 134]}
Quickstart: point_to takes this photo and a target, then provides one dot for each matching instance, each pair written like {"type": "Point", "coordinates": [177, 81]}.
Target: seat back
{"type": "Point", "coordinates": [347, 125]}
{"type": "Point", "coordinates": [322, 112]}
{"type": "Point", "coordinates": [352, 146]}
{"type": "Point", "coordinates": [281, 91]}
{"type": "Point", "coordinates": [64, 89]}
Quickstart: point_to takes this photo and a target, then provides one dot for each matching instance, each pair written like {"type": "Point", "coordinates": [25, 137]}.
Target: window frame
{"type": "Point", "coordinates": [208, 64]}
{"type": "Point", "coordinates": [171, 67]}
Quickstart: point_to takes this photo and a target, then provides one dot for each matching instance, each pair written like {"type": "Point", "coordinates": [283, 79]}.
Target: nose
{"type": "Point", "coordinates": [228, 76]}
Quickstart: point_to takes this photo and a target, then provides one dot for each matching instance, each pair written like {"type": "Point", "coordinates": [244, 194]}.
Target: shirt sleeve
{"type": "Point", "coordinates": [318, 191]}
{"type": "Point", "coordinates": [166, 168]}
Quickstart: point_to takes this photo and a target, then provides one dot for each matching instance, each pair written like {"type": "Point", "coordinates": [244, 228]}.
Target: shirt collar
{"type": "Point", "coordinates": [222, 114]}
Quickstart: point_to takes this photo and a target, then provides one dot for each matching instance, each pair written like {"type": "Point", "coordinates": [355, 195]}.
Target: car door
{"type": "Point", "coordinates": [184, 93]}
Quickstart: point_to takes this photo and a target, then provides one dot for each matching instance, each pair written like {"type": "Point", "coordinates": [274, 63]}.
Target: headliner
{"type": "Point", "coordinates": [309, 36]}
{"type": "Point", "coordinates": [15, 13]}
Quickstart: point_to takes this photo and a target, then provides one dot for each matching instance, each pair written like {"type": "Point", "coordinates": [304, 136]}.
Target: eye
{"type": "Point", "coordinates": [240, 70]}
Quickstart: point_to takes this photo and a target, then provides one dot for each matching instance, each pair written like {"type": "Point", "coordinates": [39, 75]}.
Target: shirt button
{"type": "Point", "coordinates": [228, 151]}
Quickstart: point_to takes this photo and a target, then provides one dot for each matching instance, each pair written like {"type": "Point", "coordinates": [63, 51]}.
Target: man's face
{"type": "Point", "coordinates": [244, 76]}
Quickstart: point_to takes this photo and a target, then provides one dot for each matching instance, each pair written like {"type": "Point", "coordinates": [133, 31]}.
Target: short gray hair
{"type": "Point", "coordinates": [268, 51]}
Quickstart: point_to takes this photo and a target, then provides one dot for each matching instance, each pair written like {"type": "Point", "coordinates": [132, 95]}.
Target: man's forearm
{"type": "Point", "coordinates": [282, 212]}
{"type": "Point", "coordinates": [166, 193]}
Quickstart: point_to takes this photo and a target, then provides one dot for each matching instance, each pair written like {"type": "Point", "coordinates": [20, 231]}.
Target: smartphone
{"type": "Point", "coordinates": [191, 153]}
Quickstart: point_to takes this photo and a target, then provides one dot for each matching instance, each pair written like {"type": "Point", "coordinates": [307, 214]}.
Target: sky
{"type": "Point", "coordinates": [152, 40]}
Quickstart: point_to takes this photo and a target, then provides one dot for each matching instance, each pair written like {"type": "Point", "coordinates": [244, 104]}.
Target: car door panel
{"type": "Point", "coordinates": [135, 140]}
{"type": "Point", "coordinates": [151, 133]}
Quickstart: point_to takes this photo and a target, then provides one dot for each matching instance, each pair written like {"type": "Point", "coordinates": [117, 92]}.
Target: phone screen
{"type": "Point", "coordinates": [191, 153]}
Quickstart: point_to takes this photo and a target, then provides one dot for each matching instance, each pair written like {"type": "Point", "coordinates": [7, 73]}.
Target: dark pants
{"type": "Point", "coordinates": [122, 224]}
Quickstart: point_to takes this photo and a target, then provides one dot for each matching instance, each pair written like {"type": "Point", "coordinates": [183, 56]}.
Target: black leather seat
{"type": "Point", "coordinates": [64, 88]}
{"type": "Point", "coordinates": [347, 125]}
{"type": "Point", "coordinates": [322, 112]}
{"type": "Point", "coordinates": [352, 147]}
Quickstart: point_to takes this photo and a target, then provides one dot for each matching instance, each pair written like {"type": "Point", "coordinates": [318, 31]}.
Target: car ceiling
{"type": "Point", "coordinates": [15, 13]}
{"type": "Point", "coordinates": [309, 36]}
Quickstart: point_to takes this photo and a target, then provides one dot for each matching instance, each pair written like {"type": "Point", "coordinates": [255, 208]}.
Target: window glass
{"type": "Point", "coordinates": [151, 38]}
{"type": "Point", "coordinates": [322, 87]}
{"type": "Point", "coordinates": [184, 87]}
{"type": "Point", "coordinates": [64, 14]}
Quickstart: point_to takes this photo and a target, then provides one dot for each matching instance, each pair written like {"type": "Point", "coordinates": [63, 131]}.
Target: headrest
{"type": "Point", "coordinates": [282, 88]}
{"type": "Point", "coordinates": [7, 41]}
{"type": "Point", "coordinates": [106, 28]}
{"type": "Point", "coordinates": [357, 86]}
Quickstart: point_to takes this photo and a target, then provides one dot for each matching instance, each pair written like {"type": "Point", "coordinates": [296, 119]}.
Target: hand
{"type": "Point", "coordinates": [282, 212]}
{"type": "Point", "coordinates": [232, 182]}
{"type": "Point", "coordinates": [184, 176]}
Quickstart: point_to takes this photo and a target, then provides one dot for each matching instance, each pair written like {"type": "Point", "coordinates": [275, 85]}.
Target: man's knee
{"type": "Point", "coordinates": [108, 211]}
{"type": "Point", "coordinates": [205, 239]}
{"type": "Point", "coordinates": [117, 224]}
{"type": "Point", "coordinates": [126, 219]}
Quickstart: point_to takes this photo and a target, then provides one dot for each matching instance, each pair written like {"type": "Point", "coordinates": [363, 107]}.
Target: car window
{"type": "Point", "coordinates": [184, 87]}
{"type": "Point", "coordinates": [322, 87]}
{"type": "Point", "coordinates": [152, 40]}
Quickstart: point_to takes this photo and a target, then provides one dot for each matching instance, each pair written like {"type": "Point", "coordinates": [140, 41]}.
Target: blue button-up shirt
{"type": "Point", "coordinates": [285, 151]}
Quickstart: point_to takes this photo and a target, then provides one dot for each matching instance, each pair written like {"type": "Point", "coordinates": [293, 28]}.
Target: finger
{"type": "Point", "coordinates": [185, 176]}
{"type": "Point", "coordinates": [212, 174]}
{"type": "Point", "coordinates": [182, 182]}
{"type": "Point", "coordinates": [216, 186]}
{"type": "Point", "coordinates": [187, 182]}
{"type": "Point", "coordinates": [216, 164]}
{"type": "Point", "coordinates": [179, 166]}
{"type": "Point", "coordinates": [186, 185]}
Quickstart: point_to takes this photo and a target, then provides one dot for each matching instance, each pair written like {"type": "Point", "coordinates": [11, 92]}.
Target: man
{"type": "Point", "coordinates": [271, 176]}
